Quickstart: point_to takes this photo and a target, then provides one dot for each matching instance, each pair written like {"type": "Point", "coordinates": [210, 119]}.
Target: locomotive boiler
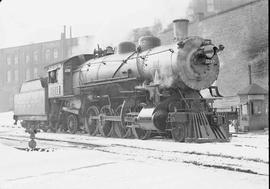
{"type": "Point", "coordinates": [140, 91]}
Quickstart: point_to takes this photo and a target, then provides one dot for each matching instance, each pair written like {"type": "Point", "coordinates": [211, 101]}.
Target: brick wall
{"type": "Point", "coordinates": [244, 33]}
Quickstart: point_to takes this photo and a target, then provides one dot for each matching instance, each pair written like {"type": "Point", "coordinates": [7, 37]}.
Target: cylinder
{"type": "Point", "coordinates": [180, 29]}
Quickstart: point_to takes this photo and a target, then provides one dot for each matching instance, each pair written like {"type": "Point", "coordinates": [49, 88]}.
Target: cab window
{"type": "Point", "coordinates": [53, 76]}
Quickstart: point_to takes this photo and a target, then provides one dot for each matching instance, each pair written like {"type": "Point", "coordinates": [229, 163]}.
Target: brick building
{"type": "Point", "coordinates": [243, 30]}
{"type": "Point", "coordinates": [204, 8]}
{"type": "Point", "coordinates": [27, 62]}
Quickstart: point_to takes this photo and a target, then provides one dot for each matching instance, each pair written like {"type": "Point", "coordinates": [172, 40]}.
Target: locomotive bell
{"type": "Point", "coordinates": [126, 47]}
{"type": "Point", "coordinates": [180, 29]}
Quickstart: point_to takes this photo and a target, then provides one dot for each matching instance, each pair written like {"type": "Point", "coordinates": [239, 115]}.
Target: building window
{"type": "Point", "coordinates": [27, 74]}
{"type": "Point", "coordinates": [16, 59]}
{"type": "Point", "coordinates": [35, 55]}
{"type": "Point", "coordinates": [55, 53]}
{"type": "Point", "coordinates": [27, 59]}
{"type": "Point", "coordinates": [210, 6]}
{"type": "Point", "coordinates": [256, 107]}
{"type": "Point", "coordinates": [47, 54]}
{"type": "Point", "coordinates": [9, 76]}
{"type": "Point", "coordinates": [69, 52]}
{"type": "Point", "coordinates": [244, 109]}
{"type": "Point", "coordinates": [8, 60]}
{"type": "Point", "coordinates": [16, 75]}
{"type": "Point", "coordinates": [35, 73]}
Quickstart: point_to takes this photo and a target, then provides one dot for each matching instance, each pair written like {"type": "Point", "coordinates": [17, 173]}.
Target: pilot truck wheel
{"type": "Point", "coordinates": [72, 123]}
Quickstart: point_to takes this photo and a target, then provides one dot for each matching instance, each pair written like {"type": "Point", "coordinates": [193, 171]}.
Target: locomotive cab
{"type": "Point", "coordinates": [55, 79]}
{"type": "Point", "coordinates": [60, 75]}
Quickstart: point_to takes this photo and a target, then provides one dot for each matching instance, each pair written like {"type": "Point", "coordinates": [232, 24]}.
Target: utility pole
{"type": "Point", "coordinates": [249, 74]}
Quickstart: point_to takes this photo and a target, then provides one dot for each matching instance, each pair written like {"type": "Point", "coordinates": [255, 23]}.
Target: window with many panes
{"type": "Point", "coordinates": [210, 6]}
{"type": "Point", "coordinates": [27, 74]}
{"type": "Point", "coordinates": [16, 75]}
{"type": "Point", "coordinates": [16, 59]}
{"type": "Point", "coordinates": [55, 53]}
{"type": "Point", "coordinates": [35, 73]}
{"type": "Point", "coordinates": [8, 60]}
{"type": "Point", "coordinates": [9, 76]}
{"type": "Point", "coordinates": [27, 59]}
{"type": "Point", "coordinates": [47, 54]}
{"type": "Point", "coordinates": [35, 56]}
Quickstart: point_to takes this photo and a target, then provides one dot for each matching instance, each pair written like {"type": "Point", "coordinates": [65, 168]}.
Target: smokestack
{"type": "Point", "coordinates": [180, 29]}
{"type": "Point", "coordinates": [70, 32]}
{"type": "Point", "coordinates": [65, 31]}
{"type": "Point", "coordinates": [64, 43]}
{"type": "Point", "coordinates": [70, 39]}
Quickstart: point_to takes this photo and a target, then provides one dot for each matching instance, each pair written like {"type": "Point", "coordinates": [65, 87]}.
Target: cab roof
{"type": "Point", "coordinates": [76, 60]}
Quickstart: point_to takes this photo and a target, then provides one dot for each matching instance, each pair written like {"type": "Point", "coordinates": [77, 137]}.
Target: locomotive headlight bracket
{"type": "Point", "coordinates": [220, 48]}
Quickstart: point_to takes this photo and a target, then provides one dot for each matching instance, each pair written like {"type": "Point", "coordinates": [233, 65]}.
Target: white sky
{"type": "Point", "coordinates": [30, 21]}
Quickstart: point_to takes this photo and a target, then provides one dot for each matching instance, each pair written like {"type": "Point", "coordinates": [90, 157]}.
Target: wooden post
{"type": "Point", "coordinates": [249, 74]}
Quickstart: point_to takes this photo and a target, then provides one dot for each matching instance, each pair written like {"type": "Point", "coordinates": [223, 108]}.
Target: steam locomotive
{"type": "Point", "coordinates": [131, 91]}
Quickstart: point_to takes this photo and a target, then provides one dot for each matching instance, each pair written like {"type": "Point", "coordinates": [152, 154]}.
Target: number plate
{"type": "Point", "coordinates": [209, 61]}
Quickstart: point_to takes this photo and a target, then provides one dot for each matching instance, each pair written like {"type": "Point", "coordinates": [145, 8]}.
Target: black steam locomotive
{"type": "Point", "coordinates": [130, 91]}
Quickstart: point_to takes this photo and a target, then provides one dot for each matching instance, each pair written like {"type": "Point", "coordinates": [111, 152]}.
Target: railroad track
{"type": "Point", "coordinates": [211, 160]}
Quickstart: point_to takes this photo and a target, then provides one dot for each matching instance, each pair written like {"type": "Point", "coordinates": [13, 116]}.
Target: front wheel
{"type": "Point", "coordinates": [141, 134]}
{"type": "Point", "coordinates": [91, 120]}
{"type": "Point", "coordinates": [178, 133]}
{"type": "Point", "coordinates": [72, 123]}
{"type": "Point", "coordinates": [53, 126]}
{"type": "Point", "coordinates": [106, 126]}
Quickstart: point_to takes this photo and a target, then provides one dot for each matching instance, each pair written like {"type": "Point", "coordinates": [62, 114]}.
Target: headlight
{"type": "Point", "coordinates": [209, 51]}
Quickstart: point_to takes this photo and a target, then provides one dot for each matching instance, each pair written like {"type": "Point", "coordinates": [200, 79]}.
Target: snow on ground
{"type": "Point", "coordinates": [256, 144]}
{"type": "Point", "coordinates": [6, 119]}
{"type": "Point", "coordinates": [71, 168]}
{"type": "Point", "coordinates": [134, 166]}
